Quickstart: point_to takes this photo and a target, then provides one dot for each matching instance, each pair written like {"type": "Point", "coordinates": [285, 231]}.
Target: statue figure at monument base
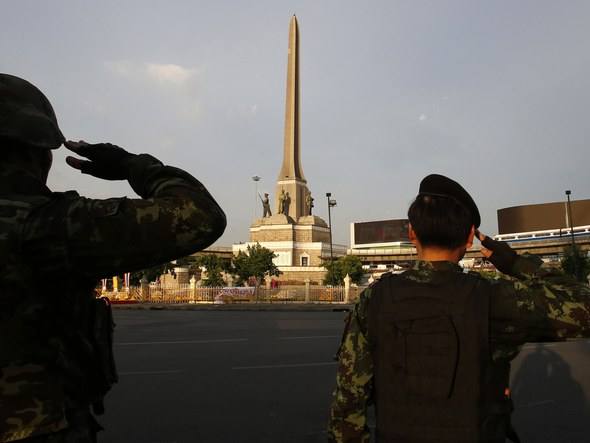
{"type": "Point", "coordinates": [308, 204]}
{"type": "Point", "coordinates": [284, 201]}
{"type": "Point", "coordinates": [265, 206]}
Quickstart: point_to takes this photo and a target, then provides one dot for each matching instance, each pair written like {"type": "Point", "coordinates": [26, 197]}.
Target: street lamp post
{"type": "Point", "coordinates": [256, 179]}
{"type": "Point", "coordinates": [571, 226]}
{"type": "Point", "coordinates": [331, 204]}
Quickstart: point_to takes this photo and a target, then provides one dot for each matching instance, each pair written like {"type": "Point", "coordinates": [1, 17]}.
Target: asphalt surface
{"type": "Point", "coordinates": [202, 376]}
{"type": "Point", "coordinates": [198, 376]}
{"type": "Point", "coordinates": [550, 385]}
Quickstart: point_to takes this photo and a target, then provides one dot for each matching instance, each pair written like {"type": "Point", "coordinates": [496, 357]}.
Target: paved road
{"type": "Point", "coordinates": [197, 376]}
{"type": "Point", "coordinates": [222, 376]}
{"type": "Point", "coordinates": [551, 390]}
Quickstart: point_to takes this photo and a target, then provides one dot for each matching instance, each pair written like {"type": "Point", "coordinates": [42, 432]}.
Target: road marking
{"type": "Point", "coordinates": [296, 365]}
{"type": "Point", "coordinates": [172, 371]}
{"type": "Point", "coordinates": [183, 342]}
{"type": "Point", "coordinates": [554, 344]}
{"type": "Point", "coordinates": [535, 403]}
{"type": "Point", "coordinates": [540, 345]}
{"type": "Point", "coordinates": [310, 337]}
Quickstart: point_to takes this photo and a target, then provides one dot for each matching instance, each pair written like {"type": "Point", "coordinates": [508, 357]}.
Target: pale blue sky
{"type": "Point", "coordinates": [492, 94]}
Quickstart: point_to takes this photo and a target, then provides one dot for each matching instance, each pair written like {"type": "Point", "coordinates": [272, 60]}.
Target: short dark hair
{"type": "Point", "coordinates": [440, 221]}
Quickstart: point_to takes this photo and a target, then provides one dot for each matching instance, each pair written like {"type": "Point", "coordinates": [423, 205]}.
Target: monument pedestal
{"type": "Point", "coordinates": [299, 245]}
{"type": "Point", "coordinates": [277, 219]}
{"type": "Point", "coordinates": [312, 220]}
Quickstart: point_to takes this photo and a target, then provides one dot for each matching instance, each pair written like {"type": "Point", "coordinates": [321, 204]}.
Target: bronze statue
{"type": "Point", "coordinates": [286, 203]}
{"type": "Point", "coordinates": [308, 204]}
{"type": "Point", "coordinates": [282, 199]}
{"type": "Point", "coordinates": [265, 206]}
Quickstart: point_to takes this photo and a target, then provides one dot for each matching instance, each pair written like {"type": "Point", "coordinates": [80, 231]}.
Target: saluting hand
{"type": "Point", "coordinates": [499, 253]}
{"type": "Point", "coordinates": [106, 161]}
{"type": "Point", "coordinates": [484, 251]}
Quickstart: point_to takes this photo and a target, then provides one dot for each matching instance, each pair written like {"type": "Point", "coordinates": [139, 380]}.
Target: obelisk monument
{"type": "Point", "coordinates": [298, 238]}
{"type": "Point", "coordinates": [291, 179]}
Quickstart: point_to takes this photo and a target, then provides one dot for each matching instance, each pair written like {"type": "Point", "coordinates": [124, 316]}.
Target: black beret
{"type": "Point", "coordinates": [441, 186]}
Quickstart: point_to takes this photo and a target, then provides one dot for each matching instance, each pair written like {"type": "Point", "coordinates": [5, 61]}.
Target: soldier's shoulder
{"type": "Point", "coordinates": [17, 207]}
{"type": "Point", "coordinates": [384, 279]}
{"type": "Point", "coordinates": [420, 273]}
{"type": "Point", "coordinates": [48, 203]}
{"type": "Point", "coordinates": [65, 194]}
{"type": "Point", "coordinates": [485, 279]}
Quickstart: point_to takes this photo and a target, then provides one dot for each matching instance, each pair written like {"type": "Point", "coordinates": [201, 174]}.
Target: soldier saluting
{"type": "Point", "coordinates": [432, 346]}
{"type": "Point", "coordinates": [55, 246]}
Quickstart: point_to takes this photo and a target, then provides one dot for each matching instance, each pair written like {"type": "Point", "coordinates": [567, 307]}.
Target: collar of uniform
{"type": "Point", "coordinates": [22, 183]}
{"type": "Point", "coordinates": [437, 266]}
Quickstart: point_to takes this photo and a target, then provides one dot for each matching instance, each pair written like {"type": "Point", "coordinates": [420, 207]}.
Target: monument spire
{"type": "Point", "coordinates": [299, 238]}
{"type": "Point", "coordinates": [291, 168]}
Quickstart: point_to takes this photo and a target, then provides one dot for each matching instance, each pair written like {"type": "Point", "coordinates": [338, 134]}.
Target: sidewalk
{"type": "Point", "coordinates": [300, 307]}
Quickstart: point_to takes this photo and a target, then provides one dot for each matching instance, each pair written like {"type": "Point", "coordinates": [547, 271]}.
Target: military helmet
{"type": "Point", "coordinates": [26, 115]}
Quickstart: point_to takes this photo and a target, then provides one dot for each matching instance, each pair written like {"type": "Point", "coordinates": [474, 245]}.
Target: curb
{"type": "Point", "coordinates": [235, 307]}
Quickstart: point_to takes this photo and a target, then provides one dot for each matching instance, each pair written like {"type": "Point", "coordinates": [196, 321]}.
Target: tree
{"type": "Point", "coordinates": [214, 266]}
{"type": "Point", "coordinates": [153, 273]}
{"type": "Point", "coordinates": [575, 262]}
{"type": "Point", "coordinates": [337, 270]}
{"type": "Point", "coordinates": [150, 274]}
{"type": "Point", "coordinates": [257, 263]}
{"type": "Point", "coordinates": [190, 261]}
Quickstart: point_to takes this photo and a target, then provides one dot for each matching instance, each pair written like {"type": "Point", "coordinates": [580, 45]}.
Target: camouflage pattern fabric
{"type": "Point", "coordinates": [53, 249]}
{"type": "Point", "coordinates": [70, 435]}
{"type": "Point", "coordinates": [540, 306]}
{"type": "Point", "coordinates": [82, 429]}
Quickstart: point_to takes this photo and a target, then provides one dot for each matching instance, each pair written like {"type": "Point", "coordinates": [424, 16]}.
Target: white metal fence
{"type": "Point", "coordinates": [187, 293]}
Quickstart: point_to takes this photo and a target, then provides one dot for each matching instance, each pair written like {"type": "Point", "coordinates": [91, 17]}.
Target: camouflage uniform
{"type": "Point", "coordinates": [538, 306]}
{"type": "Point", "coordinates": [53, 249]}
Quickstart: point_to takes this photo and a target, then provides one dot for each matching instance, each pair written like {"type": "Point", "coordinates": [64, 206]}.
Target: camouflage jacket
{"type": "Point", "coordinates": [539, 306]}
{"type": "Point", "coordinates": [53, 249]}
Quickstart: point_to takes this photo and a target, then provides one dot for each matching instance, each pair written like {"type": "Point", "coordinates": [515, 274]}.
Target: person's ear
{"type": "Point", "coordinates": [412, 234]}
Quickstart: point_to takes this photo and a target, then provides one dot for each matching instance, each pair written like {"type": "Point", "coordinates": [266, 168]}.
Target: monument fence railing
{"type": "Point", "coordinates": [191, 294]}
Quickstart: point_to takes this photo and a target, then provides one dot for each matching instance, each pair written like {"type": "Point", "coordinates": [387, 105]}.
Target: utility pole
{"type": "Point", "coordinates": [571, 226]}
{"type": "Point", "coordinates": [255, 179]}
{"type": "Point", "coordinates": [331, 204]}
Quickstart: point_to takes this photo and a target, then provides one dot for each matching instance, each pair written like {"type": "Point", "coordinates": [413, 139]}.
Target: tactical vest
{"type": "Point", "coordinates": [35, 306]}
{"type": "Point", "coordinates": [16, 281]}
{"type": "Point", "coordinates": [49, 357]}
{"type": "Point", "coordinates": [434, 377]}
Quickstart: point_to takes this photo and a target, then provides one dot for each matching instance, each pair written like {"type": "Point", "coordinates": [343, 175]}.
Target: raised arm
{"type": "Point", "coordinates": [175, 217]}
{"type": "Point", "coordinates": [540, 304]}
